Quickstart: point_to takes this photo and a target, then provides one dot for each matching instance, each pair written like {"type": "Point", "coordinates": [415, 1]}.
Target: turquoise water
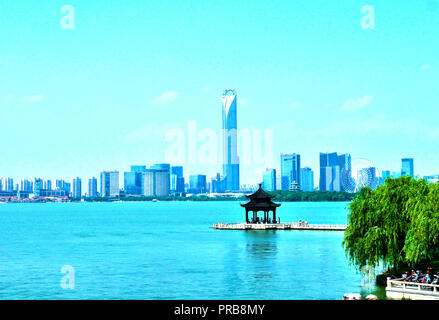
{"type": "Point", "coordinates": [166, 250]}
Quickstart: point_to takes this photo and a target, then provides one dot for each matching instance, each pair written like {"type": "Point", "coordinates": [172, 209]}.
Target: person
{"type": "Point", "coordinates": [405, 276]}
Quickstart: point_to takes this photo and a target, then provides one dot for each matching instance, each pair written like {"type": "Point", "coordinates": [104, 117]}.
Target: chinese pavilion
{"type": "Point", "coordinates": [260, 201]}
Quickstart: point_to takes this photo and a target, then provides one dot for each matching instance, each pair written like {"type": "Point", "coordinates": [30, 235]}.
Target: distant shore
{"type": "Point", "coordinates": [278, 196]}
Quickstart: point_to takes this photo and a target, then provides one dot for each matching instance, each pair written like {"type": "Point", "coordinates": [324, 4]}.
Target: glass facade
{"type": "Point", "coordinates": [408, 167]}
{"type": "Point", "coordinates": [335, 172]}
{"type": "Point", "coordinates": [197, 184]}
{"type": "Point", "coordinates": [290, 170]}
{"type": "Point", "coordinates": [230, 140]}
{"type": "Point", "coordinates": [307, 179]}
{"type": "Point", "coordinates": [269, 180]}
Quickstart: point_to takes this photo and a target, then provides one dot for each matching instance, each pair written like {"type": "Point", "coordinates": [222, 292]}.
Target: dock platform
{"type": "Point", "coordinates": [279, 226]}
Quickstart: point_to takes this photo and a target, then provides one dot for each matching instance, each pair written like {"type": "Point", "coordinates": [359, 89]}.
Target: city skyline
{"type": "Point", "coordinates": [371, 94]}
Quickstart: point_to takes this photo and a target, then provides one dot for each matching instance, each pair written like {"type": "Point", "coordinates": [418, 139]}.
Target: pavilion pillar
{"type": "Point", "coordinates": [246, 215]}
{"type": "Point", "coordinates": [274, 216]}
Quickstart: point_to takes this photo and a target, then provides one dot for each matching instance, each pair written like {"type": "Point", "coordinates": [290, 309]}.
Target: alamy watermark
{"type": "Point", "coordinates": [205, 146]}
{"type": "Point", "coordinates": [68, 19]}
{"type": "Point", "coordinates": [68, 280]}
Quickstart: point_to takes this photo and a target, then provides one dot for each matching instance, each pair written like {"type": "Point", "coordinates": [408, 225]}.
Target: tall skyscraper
{"type": "Point", "coordinates": [38, 187]}
{"type": "Point", "coordinates": [177, 180]}
{"type": "Point", "coordinates": [110, 184]}
{"type": "Point", "coordinates": [197, 184]}
{"type": "Point", "coordinates": [269, 180]}
{"type": "Point", "coordinates": [77, 188]}
{"type": "Point", "coordinates": [133, 180]}
{"type": "Point", "coordinates": [290, 170]}
{"type": "Point", "coordinates": [26, 185]}
{"type": "Point", "coordinates": [155, 182]}
{"type": "Point", "coordinates": [93, 187]}
{"type": "Point", "coordinates": [230, 140]}
{"type": "Point", "coordinates": [218, 184]}
{"type": "Point", "coordinates": [48, 184]}
{"type": "Point", "coordinates": [148, 183]}
{"type": "Point", "coordinates": [336, 172]}
{"type": "Point", "coordinates": [8, 184]}
{"type": "Point", "coordinates": [162, 179]}
{"type": "Point", "coordinates": [306, 179]}
{"type": "Point", "coordinates": [407, 168]}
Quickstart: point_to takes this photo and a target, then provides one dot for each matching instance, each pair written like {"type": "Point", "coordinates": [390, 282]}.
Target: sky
{"type": "Point", "coordinates": [121, 82]}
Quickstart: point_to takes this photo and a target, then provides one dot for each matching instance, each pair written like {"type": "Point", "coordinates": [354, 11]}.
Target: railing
{"type": "Point", "coordinates": [412, 287]}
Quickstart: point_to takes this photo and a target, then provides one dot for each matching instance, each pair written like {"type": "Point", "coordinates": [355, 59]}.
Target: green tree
{"type": "Point", "coordinates": [385, 224]}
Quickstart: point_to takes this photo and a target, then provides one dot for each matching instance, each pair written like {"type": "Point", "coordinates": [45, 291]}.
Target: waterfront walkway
{"type": "Point", "coordinates": [279, 226]}
{"type": "Point", "coordinates": [399, 289]}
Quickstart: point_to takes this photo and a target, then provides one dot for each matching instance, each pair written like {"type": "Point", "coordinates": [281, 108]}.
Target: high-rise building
{"type": "Point", "coordinates": [218, 184]}
{"type": "Point", "coordinates": [139, 169]}
{"type": "Point", "coordinates": [110, 184]}
{"type": "Point", "coordinates": [177, 180]}
{"type": "Point", "coordinates": [92, 187]}
{"type": "Point", "coordinates": [7, 184]}
{"type": "Point", "coordinates": [162, 187]}
{"type": "Point", "coordinates": [385, 174]}
{"type": "Point", "coordinates": [62, 185]}
{"type": "Point", "coordinates": [306, 179]}
{"type": "Point", "coordinates": [290, 170]}
{"type": "Point", "coordinates": [269, 180]}
{"type": "Point", "coordinates": [162, 179]}
{"type": "Point", "coordinates": [26, 185]}
{"type": "Point", "coordinates": [77, 188]}
{"type": "Point", "coordinates": [230, 140]}
{"type": "Point", "coordinates": [48, 184]}
{"type": "Point", "coordinates": [38, 187]}
{"type": "Point", "coordinates": [197, 184]}
{"type": "Point", "coordinates": [407, 168]}
{"type": "Point", "coordinates": [133, 180]}
{"type": "Point", "coordinates": [148, 183]}
{"type": "Point", "coordinates": [336, 172]}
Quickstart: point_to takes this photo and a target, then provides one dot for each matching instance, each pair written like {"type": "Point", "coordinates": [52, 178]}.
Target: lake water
{"type": "Point", "coordinates": [166, 250]}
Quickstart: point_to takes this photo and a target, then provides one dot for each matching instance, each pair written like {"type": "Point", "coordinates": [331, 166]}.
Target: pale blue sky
{"type": "Point", "coordinates": [75, 102]}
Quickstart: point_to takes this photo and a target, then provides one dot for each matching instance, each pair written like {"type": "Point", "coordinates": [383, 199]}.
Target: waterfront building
{"type": "Point", "coordinates": [177, 180]}
{"type": "Point", "coordinates": [162, 187]}
{"type": "Point", "coordinates": [290, 170]}
{"type": "Point", "coordinates": [230, 140]}
{"type": "Point", "coordinates": [269, 180]}
{"type": "Point", "coordinates": [110, 184]}
{"type": "Point", "coordinates": [218, 184]}
{"type": "Point", "coordinates": [77, 188]}
{"type": "Point", "coordinates": [93, 187]}
{"type": "Point", "coordinates": [148, 183]}
{"type": "Point", "coordinates": [260, 201]}
{"type": "Point", "coordinates": [307, 179]}
{"type": "Point", "coordinates": [26, 186]}
{"type": "Point", "coordinates": [132, 182]}
{"type": "Point", "coordinates": [139, 169]}
{"type": "Point", "coordinates": [48, 184]}
{"type": "Point", "coordinates": [407, 168]}
{"type": "Point", "coordinates": [62, 185]}
{"type": "Point", "coordinates": [386, 174]}
{"type": "Point", "coordinates": [7, 184]}
{"type": "Point", "coordinates": [38, 187]}
{"type": "Point", "coordinates": [335, 172]}
{"type": "Point", "coordinates": [197, 184]}
{"type": "Point", "coordinates": [163, 172]}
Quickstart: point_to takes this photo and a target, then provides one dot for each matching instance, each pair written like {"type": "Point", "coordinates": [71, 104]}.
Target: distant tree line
{"type": "Point", "coordinates": [280, 196]}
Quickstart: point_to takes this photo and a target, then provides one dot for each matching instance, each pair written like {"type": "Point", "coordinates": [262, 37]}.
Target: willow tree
{"type": "Point", "coordinates": [379, 222]}
{"type": "Point", "coordinates": [422, 242]}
